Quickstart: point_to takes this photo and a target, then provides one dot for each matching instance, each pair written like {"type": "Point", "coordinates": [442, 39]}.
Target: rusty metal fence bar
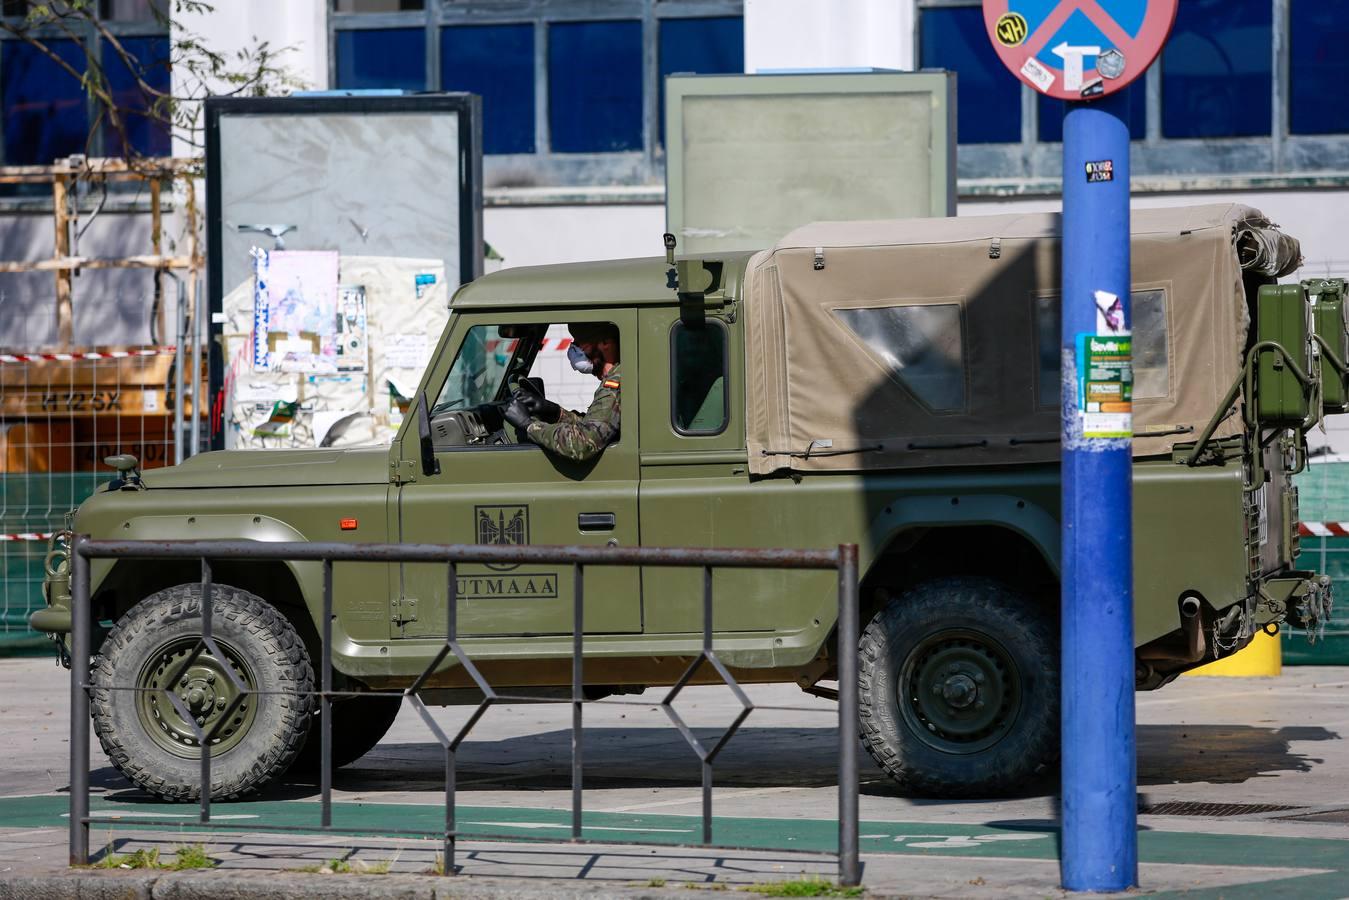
{"type": "Point", "coordinates": [843, 560]}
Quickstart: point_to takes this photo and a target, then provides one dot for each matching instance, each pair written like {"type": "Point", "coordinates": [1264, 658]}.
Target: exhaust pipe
{"type": "Point", "coordinates": [1192, 624]}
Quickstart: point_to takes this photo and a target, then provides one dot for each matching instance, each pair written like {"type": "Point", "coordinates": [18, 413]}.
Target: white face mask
{"type": "Point", "coordinates": [579, 361]}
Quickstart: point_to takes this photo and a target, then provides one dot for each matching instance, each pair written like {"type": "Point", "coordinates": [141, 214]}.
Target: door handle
{"type": "Point", "coordinates": [596, 521]}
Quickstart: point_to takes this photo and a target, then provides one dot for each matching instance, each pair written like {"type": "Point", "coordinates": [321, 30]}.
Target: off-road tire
{"type": "Point", "coordinates": [982, 627]}
{"type": "Point", "coordinates": [250, 628]}
{"type": "Point", "coordinates": [359, 723]}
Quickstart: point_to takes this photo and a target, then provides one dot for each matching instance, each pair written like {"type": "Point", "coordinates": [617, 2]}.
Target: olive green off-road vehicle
{"type": "Point", "coordinates": [892, 384]}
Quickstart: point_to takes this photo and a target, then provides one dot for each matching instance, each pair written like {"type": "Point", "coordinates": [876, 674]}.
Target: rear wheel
{"type": "Point", "coordinates": [959, 682]}
{"type": "Point", "coordinates": [359, 723]}
{"type": "Point", "coordinates": [152, 742]}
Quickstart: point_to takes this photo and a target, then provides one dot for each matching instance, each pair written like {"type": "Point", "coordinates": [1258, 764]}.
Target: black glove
{"type": "Point", "coordinates": [539, 406]}
{"type": "Point", "coordinates": [517, 414]}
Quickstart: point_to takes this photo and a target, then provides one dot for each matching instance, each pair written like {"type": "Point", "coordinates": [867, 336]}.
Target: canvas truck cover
{"type": "Point", "coordinates": [935, 342]}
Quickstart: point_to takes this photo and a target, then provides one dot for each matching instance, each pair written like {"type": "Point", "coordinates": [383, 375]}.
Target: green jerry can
{"type": "Point", "coordinates": [1282, 316]}
{"type": "Point", "coordinates": [1329, 322]}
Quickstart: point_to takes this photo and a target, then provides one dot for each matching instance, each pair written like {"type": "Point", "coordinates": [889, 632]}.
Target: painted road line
{"type": "Point", "coordinates": [567, 827]}
{"type": "Point", "coordinates": [135, 814]}
{"type": "Point", "coordinates": [698, 798]}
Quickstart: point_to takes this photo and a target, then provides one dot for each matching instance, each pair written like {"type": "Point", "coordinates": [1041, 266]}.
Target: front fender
{"type": "Point", "coordinates": [227, 526]}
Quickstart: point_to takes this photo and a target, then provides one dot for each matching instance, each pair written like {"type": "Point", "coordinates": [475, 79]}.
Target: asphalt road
{"type": "Point", "coordinates": [1223, 741]}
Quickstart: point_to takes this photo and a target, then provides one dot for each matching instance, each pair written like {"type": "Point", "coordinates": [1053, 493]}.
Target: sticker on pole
{"type": "Point", "coordinates": [1105, 383]}
{"type": "Point", "coordinates": [1078, 49]}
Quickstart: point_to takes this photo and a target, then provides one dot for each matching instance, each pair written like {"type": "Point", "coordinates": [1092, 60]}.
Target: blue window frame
{"type": "Point", "coordinates": [595, 86]}
{"type": "Point", "coordinates": [1319, 64]}
{"type": "Point", "coordinates": [46, 116]}
{"type": "Point", "coordinates": [1217, 77]}
{"type": "Point", "coordinates": [1051, 114]}
{"type": "Point", "coordinates": [989, 97]}
{"type": "Point", "coordinates": [497, 63]}
{"type": "Point", "coordinates": [382, 58]}
{"type": "Point", "coordinates": [150, 55]}
{"type": "Point", "coordinates": [705, 46]}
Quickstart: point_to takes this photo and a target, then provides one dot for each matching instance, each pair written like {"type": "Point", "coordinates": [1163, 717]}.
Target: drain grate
{"type": "Point", "coordinates": [1215, 810]}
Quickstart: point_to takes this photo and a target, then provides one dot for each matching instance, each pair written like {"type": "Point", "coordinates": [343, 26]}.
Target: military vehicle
{"type": "Point", "coordinates": [893, 384]}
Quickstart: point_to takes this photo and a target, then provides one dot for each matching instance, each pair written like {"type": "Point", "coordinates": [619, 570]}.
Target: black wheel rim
{"type": "Point", "coordinates": [959, 691]}
{"type": "Point", "coordinates": [204, 688]}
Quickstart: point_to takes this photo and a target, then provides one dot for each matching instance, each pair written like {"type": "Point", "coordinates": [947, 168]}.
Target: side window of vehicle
{"type": "Point", "coordinates": [479, 369]}
{"type": "Point", "coordinates": [1151, 346]}
{"type": "Point", "coordinates": [921, 346]}
{"type": "Point", "coordinates": [699, 384]}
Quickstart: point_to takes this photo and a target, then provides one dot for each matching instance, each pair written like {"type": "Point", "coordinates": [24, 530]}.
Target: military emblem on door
{"type": "Point", "coordinates": [502, 525]}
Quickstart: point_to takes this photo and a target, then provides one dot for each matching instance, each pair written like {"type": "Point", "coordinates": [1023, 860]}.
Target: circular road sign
{"type": "Point", "coordinates": [1078, 49]}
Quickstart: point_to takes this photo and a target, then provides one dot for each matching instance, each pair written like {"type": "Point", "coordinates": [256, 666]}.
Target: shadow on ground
{"type": "Point", "coordinates": [760, 757]}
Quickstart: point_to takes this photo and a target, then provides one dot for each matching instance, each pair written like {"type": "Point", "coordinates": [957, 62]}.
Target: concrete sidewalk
{"type": "Point", "coordinates": [1251, 768]}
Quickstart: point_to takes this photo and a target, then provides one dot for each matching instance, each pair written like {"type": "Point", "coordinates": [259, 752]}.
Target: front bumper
{"type": "Point", "coordinates": [55, 618]}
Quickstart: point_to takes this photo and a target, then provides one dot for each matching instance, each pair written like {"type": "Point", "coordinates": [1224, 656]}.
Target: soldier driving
{"type": "Point", "coordinates": [578, 436]}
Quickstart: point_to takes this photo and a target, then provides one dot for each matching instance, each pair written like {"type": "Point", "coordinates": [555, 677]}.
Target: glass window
{"type": "Point", "coordinates": [1216, 79]}
{"type": "Point", "coordinates": [1051, 114]}
{"type": "Point", "coordinates": [989, 110]}
{"type": "Point", "coordinates": [133, 10]}
{"type": "Point", "coordinates": [1319, 67]}
{"type": "Point", "coordinates": [45, 111]}
{"type": "Point", "coordinates": [495, 360]}
{"type": "Point", "coordinates": [479, 370]}
{"type": "Point", "coordinates": [1147, 311]}
{"type": "Point", "coordinates": [921, 347]}
{"type": "Point", "coordinates": [378, 6]}
{"type": "Point", "coordinates": [497, 63]}
{"type": "Point", "coordinates": [147, 136]}
{"type": "Point", "coordinates": [595, 86]}
{"type": "Point", "coordinates": [698, 379]}
{"type": "Point", "coordinates": [382, 58]}
{"type": "Point", "coordinates": [710, 46]}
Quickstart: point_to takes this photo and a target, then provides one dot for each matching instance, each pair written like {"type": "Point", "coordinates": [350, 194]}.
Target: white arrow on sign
{"type": "Point", "coordinates": [1072, 63]}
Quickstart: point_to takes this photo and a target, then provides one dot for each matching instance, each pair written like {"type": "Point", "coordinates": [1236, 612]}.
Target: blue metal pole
{"type": "Point", "coordinates": [1099, 812]}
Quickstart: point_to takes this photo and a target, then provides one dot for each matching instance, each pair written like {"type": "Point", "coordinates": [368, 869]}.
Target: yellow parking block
{"type": "Point", "coordinates": [1263, 656]}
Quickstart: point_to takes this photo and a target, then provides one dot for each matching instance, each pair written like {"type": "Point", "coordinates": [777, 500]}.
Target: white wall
{"type": "Point", "coordinates": [539, 235]}
{"type": "Point", "coordinates": [828, 34]}
{"type": "Point", "coordinates": [300, 26]}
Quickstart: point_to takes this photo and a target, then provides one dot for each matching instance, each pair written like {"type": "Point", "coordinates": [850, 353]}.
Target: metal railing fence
{"type": "Point", "coordinates": [843, 560]}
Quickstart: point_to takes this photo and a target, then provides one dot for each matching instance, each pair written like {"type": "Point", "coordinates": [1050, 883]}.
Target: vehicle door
{"type": "Point", "coordinates": [696, 490]}
{"type": "Point", "coordinates": [493, 488]}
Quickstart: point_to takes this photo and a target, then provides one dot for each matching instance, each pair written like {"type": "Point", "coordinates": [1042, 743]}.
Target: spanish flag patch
{"type": "Point", "coordinates": [611, 383]}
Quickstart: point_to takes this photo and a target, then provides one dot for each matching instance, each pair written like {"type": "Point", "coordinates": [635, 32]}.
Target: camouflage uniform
{"type": "Point", "coordinates": [581, 437]}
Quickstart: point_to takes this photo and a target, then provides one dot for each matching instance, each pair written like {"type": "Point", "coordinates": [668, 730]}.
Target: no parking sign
{"type": "Point", "coordinates": [1078, 49]}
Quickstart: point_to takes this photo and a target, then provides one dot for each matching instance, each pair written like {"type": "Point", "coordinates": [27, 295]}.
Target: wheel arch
{"type": "Point", "coordinates": [123, 583]}
{"type": "Point", "coordinates": [998, 535]}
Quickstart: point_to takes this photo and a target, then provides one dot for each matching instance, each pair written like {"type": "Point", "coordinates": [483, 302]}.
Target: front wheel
{"type": "Point", "coordinates": [959, 682]}
{"type": "Point", "coordinates": [149, 739]}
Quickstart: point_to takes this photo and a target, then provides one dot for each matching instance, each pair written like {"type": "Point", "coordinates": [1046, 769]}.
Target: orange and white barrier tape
{"type": "Point", "coordinates": [85, 354]}
{"type": "Point", "coordinates": [1323, 529]}
{"type": "Point", "coordinates": [26, 536]}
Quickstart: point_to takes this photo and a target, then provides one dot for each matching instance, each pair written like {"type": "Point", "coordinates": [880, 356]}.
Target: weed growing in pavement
{"type": "Point", "coordinates": [656, 882]}
{"type": "Point", "coordinates": [191, 856]}
{"type": "Point", "coordinates": [185, 856]}
{"type": "Point", "coordinates": [350, 867]}
{"type": "Point", "coordinates": [806, 887]}
{"type": "Point", "coordinates": [140, 859]}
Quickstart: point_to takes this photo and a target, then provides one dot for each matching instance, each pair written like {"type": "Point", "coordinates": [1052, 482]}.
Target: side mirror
{"type": "Point", "coordinates": [430, 465]}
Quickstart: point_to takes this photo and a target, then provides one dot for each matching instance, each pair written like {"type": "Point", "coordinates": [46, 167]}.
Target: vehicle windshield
{"type": "Point", "coordinates": [479, 370]}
